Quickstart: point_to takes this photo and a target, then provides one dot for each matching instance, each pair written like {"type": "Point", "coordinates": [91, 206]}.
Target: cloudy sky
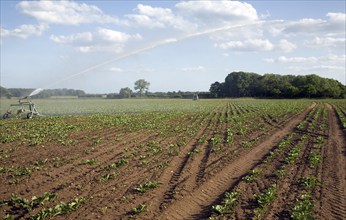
{"type": "Point", "coordinates": [102, 46]}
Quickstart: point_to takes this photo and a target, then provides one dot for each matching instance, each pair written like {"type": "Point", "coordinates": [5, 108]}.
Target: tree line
{"type": "Point", "coordinates": [22, 92]}
{"type": "Point", "coordinates": [236, 84]}
{"type": "Point", "coordinates": [141, 88]}
{"type": "Point", "coordinates": [245, 84]}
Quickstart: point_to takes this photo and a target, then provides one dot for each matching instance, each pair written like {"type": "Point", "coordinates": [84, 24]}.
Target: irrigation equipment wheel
{"type": "Point", "coordinates": [6, 115]}
{"type": "Point", "coordinates": [29, 115]}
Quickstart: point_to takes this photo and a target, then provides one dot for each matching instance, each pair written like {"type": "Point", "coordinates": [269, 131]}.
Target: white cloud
{"type": "Point", "coordinates": [305, 25]}
{"type": "Point", "coordinates": [327, 42]}
{"type": "Point", "coordinates": [145, 21]}
{"type": "Point", "coordinates": [317, 68]}
{"type": "Point", "coordinates": [334, 24]}
{"type": "Point", "coordinates": [247, 45]}
{"type": "Point", "coordinates": [24, 31]}
{"type": "Point", "coordinates": [113, 48]}
{"type": "Point", "coordinates": [283, 59]}
{"type": "Point", "coordinates": [311, 59]}
{"type": "Point", "coordinates": [156, 17]}
{"type": "Point", "coordinates": [286, 46]}
{"type": "Point", "coordinates": [337, 18]}
{"type": "Point", "coordinates": [238, 32]}
{"type": "Point", "coordinates": [116, 36]}
{"type": "Point", "coordinates": [266, 15]}
{"type": "Point", "coordinates": [257, 45]}
{"type": "Point", "coordinates": [105, 40]}
{"type": "Point", "coordinates": [218, 11]}
{"type": "Point", "coordinates": [65, 12]}
{"type": "Point", "coordinates": [334, 58]}
{"type": "Point", "coordinates": [116, 69]}
{"type": "Point", "coordinates": [147, 70]}
{"type": "Point", "coordinates": [84, 49]}
{"type": "Point", "coordinates": [78, 38]}
{"type": "Point", "coordinates": [193, 69]}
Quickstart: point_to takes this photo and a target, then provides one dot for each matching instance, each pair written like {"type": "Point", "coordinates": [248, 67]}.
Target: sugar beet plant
{"type": "Point", "coordinates": [227, 204]}
{"type": "Point", "coordinates": [21, 205]}
{"type": "Point", "coordinates": [309, 182]}
{"type": "Point", "coordinates": [139, 209]}
{"type": "Point", "coordinates": [60, 209]}
{"type": "Point", "coordinates": [264, 199]}
{"type": "Point", "coordinates": [252, 175]}
{"type": "Point", "coordinates": [146, 186]}
{"type": "Point", "coordinates": [302, 208]}
{"type": "Point", "coordinates": [314, 159]}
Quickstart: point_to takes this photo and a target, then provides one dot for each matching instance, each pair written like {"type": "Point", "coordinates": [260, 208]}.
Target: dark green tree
{"type": "Point", "coordinates": [142, 86]}
{"type": "Point", "coordinates": [242, 84]}
{"type": "Point", "coordinates": [217, 89]}
{"type": "Point", "coordinates": [125, 92]}
{"type": "Point", "coordinates": [4, 92]}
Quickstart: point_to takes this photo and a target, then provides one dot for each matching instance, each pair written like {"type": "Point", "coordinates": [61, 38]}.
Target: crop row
{"type": "Point", "coordinates": [104, 153]}
{"type": "Point", "coordinates": [293, 161]}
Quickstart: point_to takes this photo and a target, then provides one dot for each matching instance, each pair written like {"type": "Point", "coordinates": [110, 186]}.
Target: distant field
{"type": "Point", "coordinates": [175, 159]}
{"type": "Point", "coordinates": [68, 106]}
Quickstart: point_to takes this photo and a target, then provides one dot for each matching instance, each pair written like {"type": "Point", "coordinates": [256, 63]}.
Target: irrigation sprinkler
{"type": "Point", "coordinates": [24, 105]}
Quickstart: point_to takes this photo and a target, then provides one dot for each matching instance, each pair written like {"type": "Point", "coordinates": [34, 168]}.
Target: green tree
{"type": "Point", "coordinates": [310, 90]}
{"type": "Point", "coordinates": [240, 84]}
{"type": "Point", "coordinates": [4, 92]}
{"type": "Point", "coordinates": [217, 89]}
{"type": "Point", "coordinates": [142, 86]}
{"type": "Point", "coordinates": [125, 92]}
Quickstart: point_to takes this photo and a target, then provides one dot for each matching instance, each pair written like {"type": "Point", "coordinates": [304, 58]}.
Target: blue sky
{"type": "Point", "coordinates": [103, 46]}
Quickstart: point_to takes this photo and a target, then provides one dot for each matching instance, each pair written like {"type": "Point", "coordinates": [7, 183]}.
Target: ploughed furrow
{"type": "Point", "coordinates": [291, 186]}
{"type": "Point", "coordinates": [203, 164]}
{"type": "Point", "coordinates": [197, 203]}
{"type": "Point", "coordinates": [260, 178]}
{"type": "Point", "coordinates": [132, 176]}
{"type": "Point", "coordinates": [334, 168]}
{"type": "Point", "coordinates": [208, 146]}
{"type": "Point", "coordinates": [234, 148]}
{"type": "Point", "coordinates": [51, 179]}
{"type": "Point", "coordinates": [62, 165]}
{"type": "Point", "coordinates": [178, 176]}
{"type": "Point", "coordinates": [166, 177]}
{"type": "Point", "coordinates": [80, 141]}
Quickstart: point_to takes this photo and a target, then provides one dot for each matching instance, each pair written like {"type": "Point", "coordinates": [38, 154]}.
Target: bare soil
{"type": "Point", "coordinates": [334, 171]}
{"type": "Point", "coordinates": [190, 182]}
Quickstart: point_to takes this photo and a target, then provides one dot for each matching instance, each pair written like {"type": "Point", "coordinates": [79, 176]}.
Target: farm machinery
{"type": "Point", "coordinates": [24, 106]}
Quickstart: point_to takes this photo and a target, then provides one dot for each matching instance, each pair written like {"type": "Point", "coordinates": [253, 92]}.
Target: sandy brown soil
{"type": "Point", "coordinates": [334, 171]}
{"type": "Point", "coordinates": [192, 175]}
{"type": "Point", "coordinates": [198, 202]}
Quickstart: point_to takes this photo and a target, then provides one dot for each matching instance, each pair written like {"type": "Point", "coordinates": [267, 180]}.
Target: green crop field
{"type": "Point", "coordinates": [69, 106]}
{"type": "Point", "coordinates": [94, 106]}
{"type": "Point", "coordinates": [149, 158]}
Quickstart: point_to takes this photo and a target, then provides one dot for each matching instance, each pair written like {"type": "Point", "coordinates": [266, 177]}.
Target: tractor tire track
{"type": "Point", "coordinates": [199, 162]}
{"type": "Point", "coordinates": [129, 180]}
{"type": "Point", "coordinates": [214, 166]}
{"type": "Point", "coordinates": [334, 168]}
{"type": "Point", "coordinates": [177, 174]}
{"type": "Point", "coordinates": [197, 203]}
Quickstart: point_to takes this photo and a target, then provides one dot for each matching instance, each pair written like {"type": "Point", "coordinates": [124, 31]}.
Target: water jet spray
{"type": "Point", "coordinates": [158, 44]}
{"type": "Point", "coordinates": [32, 109]}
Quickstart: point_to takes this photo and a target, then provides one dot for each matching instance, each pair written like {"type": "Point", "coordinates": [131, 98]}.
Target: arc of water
{"type": "Point", "coordinates": [152, 46]}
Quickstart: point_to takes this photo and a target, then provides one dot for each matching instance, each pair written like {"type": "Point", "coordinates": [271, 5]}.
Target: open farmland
{"type": "Point", "coordinates": [176, 159]}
